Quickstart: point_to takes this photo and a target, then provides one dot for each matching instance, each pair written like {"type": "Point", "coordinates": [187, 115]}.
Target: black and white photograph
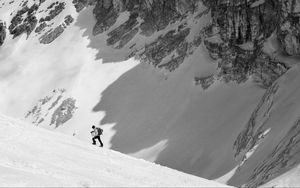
{"type": "Point", "coordinates": [150, 93]}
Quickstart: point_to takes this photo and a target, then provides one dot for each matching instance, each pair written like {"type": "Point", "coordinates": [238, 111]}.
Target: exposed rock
{"type": "Point", "coordinates": [36, 112]}
{"type": "Point", "coordinates": [126, 28]}
{"type": "Point", "coordinates": [54, 109]}
{"type": "Point", "coordinates": [55, 102]}
{"type": "Point", "coordinates": [68, 19]}
{"type": "Point", "coordinates": [266, 70]}
{"type": "Point", "coordinates": [42, 1]}
{"type": "Point", "coordinates": [24, 21]}
{"type": "Point", "coordinates": [127, 37]}
{"type": "Point", "coordinates": [105, 14]}
{"type": "Point", "coordinates": [235, 38]}
{"type": "Point", "coordinates": [247, 139]}
{"type": "Point", "coordinates": [58, 8]}
{"type": "Point", "coordinates": [284, 155]}
{"type": "Point", "coordinates": [64, 112]}
{"type": "Point", "coordinates": [41, 27]}
{"type": "Point", "coordinates": [279, 160]}
{"type": "Point", "coordinates": [2, 32]}
{"type": "Point", "coordinates": [156, 14]}
{"type": "Point", "coordinates": [289, 28]}
{"type": "Point", "coordinates": [165, 45]}
{"type": "Point", "coordinates": [205, 82]}
{"type": "Point", "coordinates": [147, 17]}
{"type": "Point", "coordinates": [81, 4]}
{"type": "Point", "coordinates": [51, 35]}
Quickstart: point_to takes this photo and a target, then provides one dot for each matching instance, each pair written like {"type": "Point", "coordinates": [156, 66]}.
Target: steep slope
{"type": "Point", "coordinates": [183, 83]}
{"type": "Point", "coordinates": [288, 179]}
{"type": "Point", "coordinates": [33, 157]}
{"type": "Point", "coordinates": [278, 151]}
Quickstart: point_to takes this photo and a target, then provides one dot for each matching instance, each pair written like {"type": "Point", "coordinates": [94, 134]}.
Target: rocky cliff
{"type": "Point", "coordinates": [235, 36]}
{"type": "Point", "coordinates": [2, 32]}
{"type": "Point", "coordinates": [53, 110]}
{"type": "Point", "coordinates": [166, 34]}
{"type": "Point", "coordinates": [261, 130]}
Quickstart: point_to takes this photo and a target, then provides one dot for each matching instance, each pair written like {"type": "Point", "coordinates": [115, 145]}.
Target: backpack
{"type": "Point", "coordinates": [99, 131]}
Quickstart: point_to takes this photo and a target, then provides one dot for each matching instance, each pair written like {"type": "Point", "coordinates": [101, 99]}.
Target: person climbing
{"type": "Point", "coordinates": [97, 131]}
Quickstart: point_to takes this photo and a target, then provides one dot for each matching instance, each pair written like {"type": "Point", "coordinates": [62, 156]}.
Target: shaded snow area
{"type": "Point", "coordinates": [31, 156]}
{"type": "Point", "coordinates": [145, 112]}
{"type": "Point", "coordinates": [288, 179]}
{"type": "Point", "coordinates": [235, 133]}
{"type": "Point", "coordinates": [270, 139]}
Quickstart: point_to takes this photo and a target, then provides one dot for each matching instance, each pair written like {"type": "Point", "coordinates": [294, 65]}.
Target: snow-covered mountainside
{"type": "Point", "coordinates": [32, 157]}
{"type": "Point", "coordinates": [207, 87]}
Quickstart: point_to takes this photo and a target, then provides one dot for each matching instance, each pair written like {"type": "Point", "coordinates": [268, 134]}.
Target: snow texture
{"type": "Point", "coordinates": [35, 157]}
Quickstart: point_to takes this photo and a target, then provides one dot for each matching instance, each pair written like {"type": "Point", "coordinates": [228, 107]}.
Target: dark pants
{"type": "Point", "coordinates": [95, 138]}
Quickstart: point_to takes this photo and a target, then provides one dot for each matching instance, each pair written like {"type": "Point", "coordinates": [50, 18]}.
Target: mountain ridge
{"type": "Point", "coordinates": [192, 68]}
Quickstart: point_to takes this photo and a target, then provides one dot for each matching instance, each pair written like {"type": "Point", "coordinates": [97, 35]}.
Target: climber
{"type": "Point", "coordinates": [97, 131]}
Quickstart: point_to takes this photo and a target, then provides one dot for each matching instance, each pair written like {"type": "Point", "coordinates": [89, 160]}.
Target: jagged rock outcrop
{"type": "Point", "coordinates": [248, 138]}
{"type": "Point", "coordinates": [41, 27]}
{"type": "Point", "coordinates": [24, 21]}
{"type": "Point", "coordinates": [236, 36]}
{"type": "Point", "coordinates": [282, 158]}
{"type": "Point", "coordinates": [155, 14]}
{"type": "Point", "coordinates": [55, 9]}
{"type": "Point", "coordinates": [289, 29]}
{"type": "Point", "coordinates": [165, 45]}
{"type": "Point", "coordinates": [146, 18]}
{"type": "Point", "coordinates": [55, 109]}
{"type": "Point", "coordinates": [265, 128]}
{"type": "Point", "coordinates": [51, 35]}
{"type": "Point", "coordinates": [81, 4]}
{"type": "Point", "coordinates": [64, 112]}
{"type": "Point", "coordinates": [2, 32]}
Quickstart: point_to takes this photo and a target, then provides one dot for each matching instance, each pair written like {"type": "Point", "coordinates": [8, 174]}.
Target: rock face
{"type": "Point", "coordinates": [2, 32]}
{"type": "Point", "coordinates": [24, 21]}
{"type": "Point", "coordinates": [51, 35]}
{"type": "Point", "coordinates": [64, 112]}
{"type": "Point", "coordinates": [156, 14]}
{"type": "Point", "coordinates": [164, 33]}
{"type": "Point", "coordinates": [168, 50]}
{"type": "Point", "coordinates": [268, 115]}
{"type": "Point", "coordinates": [234, 38]}
{"type": "Point", "coordinates": [55, 9]}
{"type": "Point", "coordinates": [289, 29]}
{"type": "Point", "coordinates": [81, 4]}
{"type": "Point", "coordinates": [53, 110]}
{"type": "Point", "coordinates": [39, 19]}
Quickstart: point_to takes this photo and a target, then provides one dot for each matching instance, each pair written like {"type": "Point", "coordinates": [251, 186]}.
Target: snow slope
{"type": "Point", "coordinates": [144, 111]}
{"type": "Point", "coordinates": [31, 156]}
{"type": "Point", "coordinates": [30, 70]}
{"type": "Point", "coordinates": [288, 179]}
